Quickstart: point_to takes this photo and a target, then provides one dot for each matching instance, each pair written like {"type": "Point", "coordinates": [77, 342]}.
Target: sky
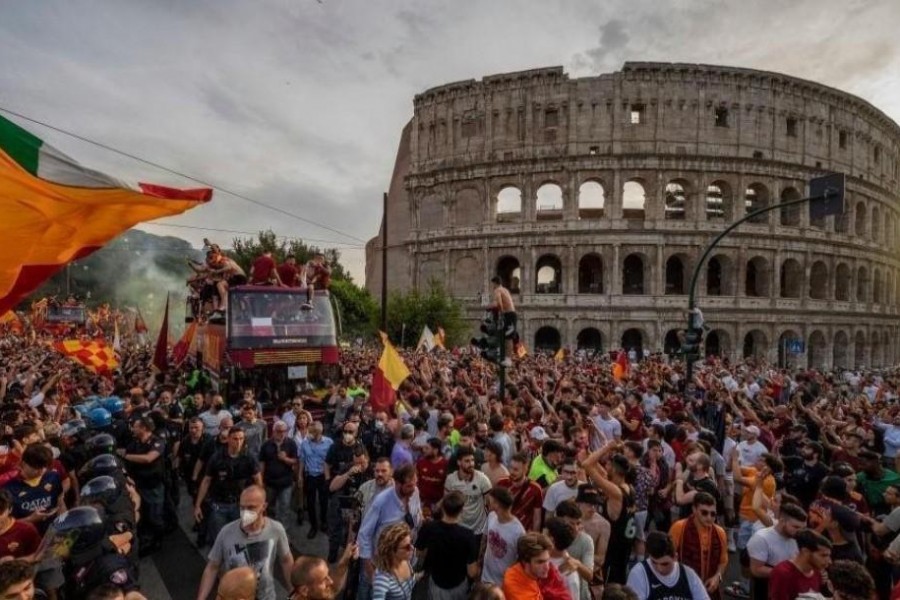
{"type": "Point", "coordinates": [299, 104]}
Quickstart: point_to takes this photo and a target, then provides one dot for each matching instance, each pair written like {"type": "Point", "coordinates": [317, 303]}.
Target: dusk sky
{"type": "Point", "coordinates": [300, 103]}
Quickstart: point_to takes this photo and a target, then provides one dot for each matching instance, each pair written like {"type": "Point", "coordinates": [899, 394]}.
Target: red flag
{"type": "Point", "coordinates": [180, 352]}
{"type": "Point", "coordinates": [160, 356]}
{"type": "Point", "coordinates": [383, 395]}
{"type": "Point", "coordinates": [620, 367]}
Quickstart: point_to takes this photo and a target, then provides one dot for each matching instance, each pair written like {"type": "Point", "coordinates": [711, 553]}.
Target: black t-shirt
{"type": "Point", "coordinates": [230, 475]}
{"type": "Point", "coordinates": [340, 457]}
{"type": "Point", "coordinates": [802, 480]}
{"type": "Point", "coordinates": [213, 446]}
{"type": "Point", "coordinates": [189, 452]}
{"type": "Point", "coordinates": [147, 474]}
{"type": "Point", "coordinates": [278, 474]}
{"type": "Point", "coordinates": [451, 548]}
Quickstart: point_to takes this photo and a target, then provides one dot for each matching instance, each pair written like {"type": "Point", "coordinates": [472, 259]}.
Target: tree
{"type": "Point", "coordinates": [433, 307]}
{"type": "Point", "coordinates": [244, 250]}
{"type": "Point", "coordinates": [357, 309]}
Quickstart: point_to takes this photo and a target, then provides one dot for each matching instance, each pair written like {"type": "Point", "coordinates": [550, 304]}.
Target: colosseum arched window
{"type": "Point", "coordinates": [510, 273]}
{"type": "Point", "coordinates": [467, 277]}
{"type": "Point", "coordinates": [756, 197]}
{"type": "Point", "coordinates": [720, 276]}
{"type": "Point", "coordinates": [860, 350]}
{"type": "Point", "coordinates": [842, 222]}
{"type": "Point", "coordinates": [675, 274]}
{"type": "Point", "coordinates": [786, 358]}
{"type": "Point", "coordinates": [877, 287]}
{"type": "Point", "coordinates": [818, 281]}
{"type": "Point", "coordinates": [509, 201]}
{"type": "Point", "coordinates": [675, 201]}
{"type": "Point", "coordinates": [590, 274]}
{"type": "Point", "coordinates": [718, 202]}
{"type": "Point", "coordinates": [672, 341]}
{"type": "Point", "coordinates": [549, 202]}
{"type": "Point", "coordinates": [634, 200]}
{"type": "Point", "coordinates": [841, 350]}
{"type": "Point", "coordinates": [547, 339]}
{"type": "Point", "coordinates": [633, 275]}
{"type": "Point", "coordinates": [790, 215]}
{"type": "Point", "coordinates": [590, 339]}
{"type": "Point", "coordinates": [717, 343]}
{"type": "Point", "coordinates": [756, 281]}
{"type": "Point", "coordinates": [877, 351]}
{"type": "Point", "coordinates": [859, 224]}
{"type": "Point", "coordinates": [842, 282]}
{"type": "Point", "coordinates": [888, 229]}
{"type": "Point", "coordinates": [876, 224]}
{"type": "Point", "coordinates": [817, 349]}
{"type": "Point", "coordinates": [431, 212]}
{"type": "Point", "coordinates": [791, 278]}
{"type": "Point", "coordinates": [549, 275]}
{"type": "Point", "coordinates": [591, 200]}
{"type": "Point", "coordinates": [755, 344]}
{"type": "Point", "coordinates": [633, 339]}
{"type": "Point", "coordinates": [862, 285]}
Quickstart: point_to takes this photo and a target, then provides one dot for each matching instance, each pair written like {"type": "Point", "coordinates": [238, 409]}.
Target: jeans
{"type": "Point", "coordinates": [279, 502]}
{"type": "Point", "coordinates": [364, 591]}
{"type": "Point", "coordinates": [220, 514]}
{"type": "Point", "coordinates": [337, 528]}
{"type": "Point", "coordinates": [316, 489]}
{"type": "Point", "coordinates": [153, 500]}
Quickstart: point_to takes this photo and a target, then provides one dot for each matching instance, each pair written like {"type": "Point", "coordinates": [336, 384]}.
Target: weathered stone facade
{"type": "Point", "coordinates": [594, 197]}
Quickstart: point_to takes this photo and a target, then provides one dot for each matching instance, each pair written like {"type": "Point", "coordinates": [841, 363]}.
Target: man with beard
{"type": "Point", "coordinates": [467, 440]}
{"type": "Point", "coordinates": [212, 417]}
{"type": "Point", "coordinates": [695, 479]}
{"type": "Point", "coordinates": [564, 489]}
{"type": "Point", "coordinates": [432, 469]}
{"type": "Point", "coordinates": [803, 573]}
{"type": "Point", "coordinates": [793, 443]}
{"type": "Point", "coordinates": [473, 484]}
{"type": "Point", "coordinates": [803, 477]}
{"type": "Point", "coordinates": [874, 480]}
{"type": "Point", "coordinates": [278, 461]}
{"type": "Point", "coordinates": [171, 410]}
{"type": "Point", "coordinates": [701, 544]}
{"type": "Point", "coordinates": [380, 482]}
{"type": "Point", "coordinates": [527, 495]}
{"type": "Point", "coordinates": [772, 545]}
{"type": "Point", "coordinates": [374, 434]}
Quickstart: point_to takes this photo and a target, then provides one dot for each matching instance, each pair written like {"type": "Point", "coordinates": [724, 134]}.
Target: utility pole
{"type": "Point", "coordinates": [826, 197]}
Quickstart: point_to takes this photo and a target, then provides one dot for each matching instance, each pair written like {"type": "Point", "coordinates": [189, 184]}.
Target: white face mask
{"type": "Point", "coordinates": [248, 517]}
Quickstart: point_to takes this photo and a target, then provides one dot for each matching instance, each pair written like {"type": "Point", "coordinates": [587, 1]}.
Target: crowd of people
{"type": "Point", "coordinates": [574, 484]}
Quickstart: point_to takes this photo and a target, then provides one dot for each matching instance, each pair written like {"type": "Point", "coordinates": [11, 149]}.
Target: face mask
{"type": "Point", "coordinates": [248, 517]}
{"type": "Point", "coordinates": [379, 425]}
{"type": "Point", "coordinates": [348, 438]}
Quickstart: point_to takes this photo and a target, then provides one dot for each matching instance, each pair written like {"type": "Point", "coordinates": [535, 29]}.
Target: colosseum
{"type": "Point", "coordinates": [593, 198]}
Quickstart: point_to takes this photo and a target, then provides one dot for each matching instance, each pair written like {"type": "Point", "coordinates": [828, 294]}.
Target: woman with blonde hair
{"type": "Point", "coordinates": [394, 577]}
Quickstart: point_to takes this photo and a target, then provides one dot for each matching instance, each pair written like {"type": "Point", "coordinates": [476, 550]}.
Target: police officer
{"type": "Point", "coordinates": [117, 511]}
{"type": "Point", "coordinates": [144, 457]}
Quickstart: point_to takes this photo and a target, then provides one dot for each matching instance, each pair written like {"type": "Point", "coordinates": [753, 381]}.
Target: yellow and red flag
{"type": "Point", "coordinates": [93, 355]}
{"type": "Point", "coordinates": [560, 355]}
{"type": "Point", "coordinates": [183, 346]}
{"type": "Point", "coordinates": [521, 350]}
{"type": "Point", "coordinates": [440, 338]}
{"type": "Point", "coordinates": [12, 321]}
{"type": "Point", "coordinates": [56, 211]}
{"type": "Point", "coordinates": [389, 374]}
{"type": "Point", "coordinates": [161, 354]}
{"type": "Point", "coordinates": [620, 367]}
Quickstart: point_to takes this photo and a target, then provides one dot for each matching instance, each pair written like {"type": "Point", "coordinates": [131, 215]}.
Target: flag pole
{"type": "Point", "coordinates": [384, 258]}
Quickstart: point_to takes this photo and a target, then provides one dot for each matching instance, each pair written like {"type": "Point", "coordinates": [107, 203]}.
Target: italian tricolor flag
{"type": "Point", "coordinates": [54, 210]}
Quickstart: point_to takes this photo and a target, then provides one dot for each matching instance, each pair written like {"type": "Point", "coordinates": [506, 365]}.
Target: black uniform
{"type": "Point", "coordinates": [189, 453]}
{"type": "Point", "coordinates": [149, 479]}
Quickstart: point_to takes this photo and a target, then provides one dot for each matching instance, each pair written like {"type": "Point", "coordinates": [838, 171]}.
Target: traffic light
{"type": "Point", "coordinates": [490, 343]}
{"type": "Point", "coordinates": [691, 346]}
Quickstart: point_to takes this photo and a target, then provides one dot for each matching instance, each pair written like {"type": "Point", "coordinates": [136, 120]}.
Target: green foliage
{"type": "Point", "coordinates": [247, 249]}
{"type": "Point", "coordinates": [433, 307]}
{"type": "Point", "coordinates": [357, 309]}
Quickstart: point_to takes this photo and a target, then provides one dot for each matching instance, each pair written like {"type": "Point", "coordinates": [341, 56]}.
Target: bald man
{"type": "Point", "coordinates": [254, 541]}
{"type": "Point", "coordinates": [238, 584]}
{"type": "Point", "coordinates": [312, 580]}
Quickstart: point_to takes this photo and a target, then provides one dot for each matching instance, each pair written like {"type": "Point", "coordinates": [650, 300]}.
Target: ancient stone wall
{"type": "Point", "coordinates": [593, 198]}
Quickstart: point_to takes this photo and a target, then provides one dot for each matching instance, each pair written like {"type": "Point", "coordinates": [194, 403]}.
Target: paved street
{"type": "Point", "coordinates": [174, 572]}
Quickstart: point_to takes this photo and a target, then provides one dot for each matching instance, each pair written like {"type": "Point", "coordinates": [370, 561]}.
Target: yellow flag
{"type": "Point", "coordinates": [391, 363]}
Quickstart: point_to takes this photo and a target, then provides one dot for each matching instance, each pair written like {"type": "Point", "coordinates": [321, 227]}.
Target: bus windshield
{"type": "Point", "coordinates": [276, 318]}
{"type": "Point", "coordinates": [66, 314]}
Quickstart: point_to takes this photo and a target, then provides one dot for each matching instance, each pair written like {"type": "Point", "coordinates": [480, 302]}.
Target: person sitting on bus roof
{"type": "Point", "coordinates": [264, 271]}
{"type": "Point", "coordinates": [225, 273]}
{"type": "Point", "coordinates": [318, 277]}
{"type": "Point", "coordinates": [289, 273]}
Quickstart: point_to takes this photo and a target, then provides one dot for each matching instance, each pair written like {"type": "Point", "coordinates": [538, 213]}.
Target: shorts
{"type": "Point", "coordinates": [510, 322]}
{"type": "Point", "coordinates": [236, 280]}
{"type": "Point", "coordinates": [640, 525]}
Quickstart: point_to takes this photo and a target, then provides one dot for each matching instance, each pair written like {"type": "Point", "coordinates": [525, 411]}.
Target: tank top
{"type": "Point", "coordinates": [622, 530]}
{"type": "Point", "coordinates": [660, 591]}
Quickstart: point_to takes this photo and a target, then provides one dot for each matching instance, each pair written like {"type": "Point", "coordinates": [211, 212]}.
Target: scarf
{"type": "Point", "coordinates": [690, 552]}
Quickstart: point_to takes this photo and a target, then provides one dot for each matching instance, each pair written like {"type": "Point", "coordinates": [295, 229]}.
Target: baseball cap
{"type": "Point", "coordinates": [752, 429]}
{"type": "Point", "coordinates": [538, 433]}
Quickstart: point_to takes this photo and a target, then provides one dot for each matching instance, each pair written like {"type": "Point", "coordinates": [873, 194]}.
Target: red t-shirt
{"type": "Point", "coordinates": [289, 275]}
{"type": "Point", "coordinates": [787, 582]}
{"type": "Point", "coordinates": [524, 501]}
{"type": "Point", "coordinates": [431, 480]}
{"type": "Point", "coordinates": [263, 269]}
{"type": "Point", "coordinates": [634, 413]}
{"type": "Point", "coordinates": [19, 540]}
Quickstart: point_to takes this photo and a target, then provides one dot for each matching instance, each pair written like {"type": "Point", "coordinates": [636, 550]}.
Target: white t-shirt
{"type": "Point", "coordinates": [558, 492]}
{"type": "Point", "coordinates": [637, 581]}
{"type": "Point", "coordinates": [770, 547]}
{"type": "Point", "coordinates": [573, 581]}
{"type": "Point", "coordinates": [212, 421]}
{"type": "Point", "coordinates": [750, 453]}
{"type": "Point", "coordinates": [650, 403]}
{"type": "Point", "coordinates": [611, 427]}
{"type": "Point", "coordinates": [474, 513]}
{"type": "Point", "coordinates": [500, 549]}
